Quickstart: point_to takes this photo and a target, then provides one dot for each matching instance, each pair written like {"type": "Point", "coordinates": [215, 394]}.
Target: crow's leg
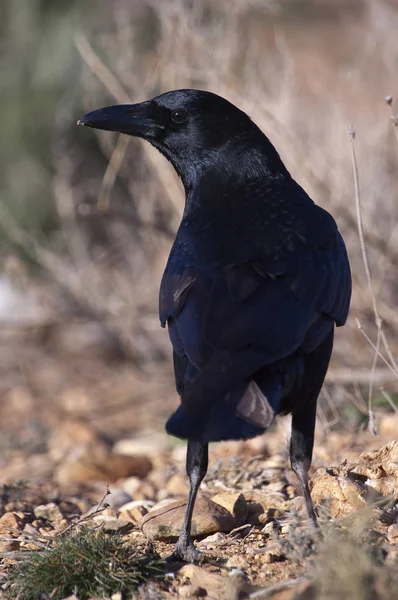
{"type": "Point", "coordinates": [303, 420]}
{"type": "Point", "coordinates": [301, 445]}
{"type": "Point", "coordinates": [197, 461]}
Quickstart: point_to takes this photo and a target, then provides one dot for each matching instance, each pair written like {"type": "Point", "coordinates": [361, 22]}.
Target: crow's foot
{"type": "Point", "coordinates": [184, 553]}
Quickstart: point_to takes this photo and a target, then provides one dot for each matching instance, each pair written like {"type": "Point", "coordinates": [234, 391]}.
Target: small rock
{"type": "Point", "coordinates": [177, 484]}
{"type": "Point", "coordinates": [105, 518]}
{"type": "Point", "coordinates": [235, 504]}
{"type": "Point", "coordinates": [134, 515]}
{"type": "Point", "coordinates": [166, 502]}
{"type": "Point", "coordinates": [237, 562]}
{"type": "Point", "coordinates": [267, 499]}
{"type": "Point", "coordinates": [212, 541]}
{"type": "Point", "coordinates": [217, 586]}
{"type": "Point", "coordinates": [162, 494]}
{"type": "Point", "coordinates": [117, 498]}
{"type": "Point", "coordinates": [121, 466]}
{"type": "Point", "coordinates": [10, 524]}
{"type": "Point", "coordinates": [139, 490]}
{"type": "Point", "coordinates": [295, 505]}
{"type": "Point", "coordinates": [29, 528]}
{"type": "Point", "coordinates": [50, 512]}
{"type": "Point", "coordinates": [343, 495]}
{"type": "Point", "coordinates": [392, 533]}
{"type": "Point", "coordinates": [47, 530]}
{"type": "Point", "coordinates": [102, 466]}
{"type": "Point", "coordinates": [112, 523]}
{"type": "Point", "coordinates": [381, 468]}
{"type": "Point", "coordinates": [14, 520]}
{"type": "Point", "coordinates": [165, 522]}
{"type": "Point", "coordinates": [73, 438]}
{"type": "Point", "coordinates": [273, 555]}
{"type": "Point", "coordinates": [148, 504]}
{"type": "Point", "coordinates": [117, 526]}
{"type": "Point", "coordinates": [107, 511]}
{"type": "Point", "coordinates": [191, 591]}
{"type": "Point", "coordinates": [149, 445]}
{"type": "Point", "coordinates": [271, 529]}
{"type": "Point", "coordinates": [285, 528]}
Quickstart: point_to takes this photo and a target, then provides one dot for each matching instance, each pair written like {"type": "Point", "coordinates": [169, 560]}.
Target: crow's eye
{"type": "Point", "coordinates": [179, 116]}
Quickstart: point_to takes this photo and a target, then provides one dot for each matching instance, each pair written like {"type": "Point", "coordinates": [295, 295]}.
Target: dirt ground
{"type": "Point", "coordinates": [77, 426]}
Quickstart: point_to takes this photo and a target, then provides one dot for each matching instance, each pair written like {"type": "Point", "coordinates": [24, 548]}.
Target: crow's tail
{"type": "Point", "coordinates": [241, 414]}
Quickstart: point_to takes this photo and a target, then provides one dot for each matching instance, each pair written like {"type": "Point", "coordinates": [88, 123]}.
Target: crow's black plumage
{"type": "Point", "coordinates": [256, 280]}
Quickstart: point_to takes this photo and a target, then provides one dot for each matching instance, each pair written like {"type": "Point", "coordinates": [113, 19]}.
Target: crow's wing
{"type": "Point", "coordinates": [271, 304]}
{"type": "Point", "coordinates": [231, 321]}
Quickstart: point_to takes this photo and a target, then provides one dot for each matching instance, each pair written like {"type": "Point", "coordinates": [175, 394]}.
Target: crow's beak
{"type": "Point", "coordinates": [133, 119]}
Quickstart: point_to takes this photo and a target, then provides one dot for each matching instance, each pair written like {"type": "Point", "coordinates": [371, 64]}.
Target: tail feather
{"type": "Point", "coordinates": [240, 415]}
{"type": "Point", "coordinates": [221, 425]}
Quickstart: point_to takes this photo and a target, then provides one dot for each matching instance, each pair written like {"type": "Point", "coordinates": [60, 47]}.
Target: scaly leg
{"type": "Point", "coordinates": [301, 445]}
{"type": "Point", "coordinates": [197, 462]}
{"type": "Point", "coordinates": [303, 420]}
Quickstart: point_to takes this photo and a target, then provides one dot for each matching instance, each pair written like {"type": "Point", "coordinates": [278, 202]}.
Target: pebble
{"type": "Point", "coordinates": [164, 520]}
{"type": "Point", "coordinates": [50, 512]}
{"type": "Point", "coordinates": [235, 503]}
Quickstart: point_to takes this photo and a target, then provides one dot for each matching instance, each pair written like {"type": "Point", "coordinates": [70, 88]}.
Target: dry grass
{"type": "Point", "coordinates": [86, 563]}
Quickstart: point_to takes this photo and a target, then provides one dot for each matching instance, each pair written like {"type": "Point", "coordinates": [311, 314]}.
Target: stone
{"type": "Point", "coordinates": [272, 555]}
{"type": "Point", "coordinates": [73, 438]}
{"type": "Point", "coordinates": [134, 514]}
{"type": "Point", "coordinates": [50, 512]}
{"type": "Point", "coordinates": [10, 524]}
{"type": "Point", "coordinates": [120, 466]}
{"type": "Point", "coordinates": [149, 445]}
{"type": "Point", "coordinates": [214, 586]}
{"type": "Point", "coordinates": [237, 562]}
{"type": "Point", "coordinates": [191, 591]}
{"type": "Point", "coordinates": [117, 498]}
{"type": "Point", "coordinates": [102, 466]}
{"type": "Point", "coordinates": [104, 518]}
{"type": "Point", "coordinates": [269, 500]}
{"type": "Point", "coordinates": [138, 489]}
{"type": "Point", "coordinates": [295, 505]}
{"type": "Point", "coordinates": [112, 523]}
{"type": "Point", "coordinates": [380, 467]}
{"type": "Point", "coordinates": [235, 503]}
{"type": "Point", "coordinates": [262, 505]}
{"type": "Point", "coordinates": [148, 504]}
{"type": "Point", "coordinates": [164, 521]}
{"type": "Point", "coordinates": [341, 494]}
{"type": "Point", "coordinates": [213, 541]}
{"type": "Point", "coordinates": [271, 529]}
{"type": "Point", "coordinates": [117, 526]}
{"type": "Point", "coordinates": [392, 533]}
{"type": "Point", "coordinates": [178, 485]}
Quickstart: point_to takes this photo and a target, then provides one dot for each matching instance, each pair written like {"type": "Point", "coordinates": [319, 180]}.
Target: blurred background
{"type": "Point", "coordinates": [87, 218]}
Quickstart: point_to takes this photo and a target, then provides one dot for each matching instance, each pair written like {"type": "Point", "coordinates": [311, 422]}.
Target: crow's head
{"type": "Point", "coordinates": [194, 129]}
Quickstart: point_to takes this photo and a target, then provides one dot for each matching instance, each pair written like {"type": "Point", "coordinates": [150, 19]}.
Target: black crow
{"type": "Point", "coordinates": [256, 280]}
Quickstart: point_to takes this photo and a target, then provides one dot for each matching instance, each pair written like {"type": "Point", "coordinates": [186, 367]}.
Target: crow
{"type": "Point", "coordinates": [256, 281]}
